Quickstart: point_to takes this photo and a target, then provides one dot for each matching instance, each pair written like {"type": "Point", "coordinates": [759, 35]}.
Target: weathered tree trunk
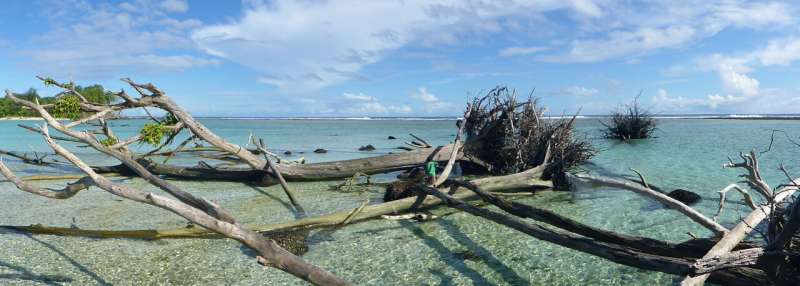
{"type": "Point", "coordinates": [525, 180]}
{"type": "Point", "coordinates": [297, 172]}
{"type": "Point", "coordinates": [615, 252]}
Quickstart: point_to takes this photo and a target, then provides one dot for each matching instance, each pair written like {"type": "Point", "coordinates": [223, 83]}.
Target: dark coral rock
{"type": "Point", "coordinates": [369, 147]}
{"type": "Point", "coordinates": [684, 196]}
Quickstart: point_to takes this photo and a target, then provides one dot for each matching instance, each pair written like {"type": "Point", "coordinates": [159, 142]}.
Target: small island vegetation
{"type": "Point", "coordinates": [65, 105]}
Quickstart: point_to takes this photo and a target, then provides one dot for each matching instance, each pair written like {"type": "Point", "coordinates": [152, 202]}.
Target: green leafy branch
{"type": "Point", "coordinates": [67, 107]}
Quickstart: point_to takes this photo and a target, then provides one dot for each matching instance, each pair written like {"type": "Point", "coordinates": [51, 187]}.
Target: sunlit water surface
{"type": "Point", "coordinates": [688, 154]}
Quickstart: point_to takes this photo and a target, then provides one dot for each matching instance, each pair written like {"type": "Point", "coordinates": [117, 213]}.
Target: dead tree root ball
{"type": "Point", "coordinates": [399, 190]}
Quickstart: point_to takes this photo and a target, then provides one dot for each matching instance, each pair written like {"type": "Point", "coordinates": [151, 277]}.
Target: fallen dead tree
{"type": "Point", "coordinates": [636, 252]}
{"type": "Point", "coordinates": [294, 172]}
{"type": "Point", "coordinates": [178, 120]}
{"type": "Point", "coordinates": [502, 135]}
{"type": "Point", "coordinates": [524, 181]}
{"type": "Point", "coordinates": [214, 220]}
{"type": "Point", "coordinates": [195, 209]}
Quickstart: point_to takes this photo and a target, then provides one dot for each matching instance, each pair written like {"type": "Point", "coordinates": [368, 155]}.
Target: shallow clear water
{"type": "Point", "coordinates": [687, 154]}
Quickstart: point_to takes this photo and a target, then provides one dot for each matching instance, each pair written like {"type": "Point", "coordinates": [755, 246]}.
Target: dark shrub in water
{"type": "Point", "coordinates": [632, 122]}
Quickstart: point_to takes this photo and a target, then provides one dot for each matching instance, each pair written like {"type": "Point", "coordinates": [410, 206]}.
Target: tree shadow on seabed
{"type": "Point", "coordinates": [21, 273]}
{"type": "Point", "coordinates": [456, 259]}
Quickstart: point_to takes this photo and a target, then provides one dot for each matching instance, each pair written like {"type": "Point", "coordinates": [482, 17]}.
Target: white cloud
{"type": "Point", "coordinates": [632, 30]}
{"type": "Point", "coordinates": [663, 99]}
{"type": "Point", "coordinates": [109, 41]}
{"type": "Point", "coordinates": [176, 6]}
{"type": "Point", "coordinates": [579, 91]}
{"type": "Point", "coordinates": [780, 52]}
{"type": "Point", "coordinates": [681, 103]}
{"type": "Point", "coordinates": [423, 95]}
{"type": "Point", "coordinates": [737, 82]}
{"type": "Point", "coordinates": [313, 44]}
{"type": "Point", "coordinates": [625, 43]}
{"type": "Point", "coordinates": [520, 51]}
{"type": "Point", "coordinates": [362, 104]}
{"type": "Point", "coordinates": [430, 102]}
{"type": "Point", "coordinates": [587, 7]}
{"type": "Point", "coordinates": [715, 100]}
{"type": "Point", "coordinates": [744, 14]}
{"type": "Point", "coordinates": [359, 97]}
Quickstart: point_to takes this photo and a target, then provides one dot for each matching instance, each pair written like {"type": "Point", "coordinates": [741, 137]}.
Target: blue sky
{"type": "Point", "coordinates": [414, 58]}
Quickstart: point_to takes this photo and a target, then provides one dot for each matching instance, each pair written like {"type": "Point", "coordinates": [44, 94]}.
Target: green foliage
{"type": "Point", "coordinates": [9, 108]}
{"type": "Point", "coordinates": [169, 119]}
{"type": "Point", "coordinates": [96, 94]}
{"type": "Point", "coordinates": [152, 133]}
{"type": "Point", "coordinates": [64, 106]}
{"type": "Point", "coordinates": [109, 141]}
{"type": "Point", "coordinates": [67, 107]}
{"type": "Point", "coordinates": [49, 82]}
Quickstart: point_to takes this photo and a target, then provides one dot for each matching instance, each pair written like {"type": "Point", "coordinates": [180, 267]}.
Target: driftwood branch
{"type": "Point", "coordinates": [611, 251]}
{"type": "Point", "coordinates": [741, 258]}
{"type": "Point", "coordinates": [521, 181]}
{"type": "Point", "coordinates": [742, 229]}
{"type": "Point", "coordinates": [662, 198]}
{"type": "Point", "coordinates": [747, 198]}
{"type": "Point", "coordinates": [65, 193]}
{"type": "Point", "coordinates": [267, 249]}
{"type": "Point", "coordinates": [454, 153]}
{"type": "Point", "coordinates": [289, 193]}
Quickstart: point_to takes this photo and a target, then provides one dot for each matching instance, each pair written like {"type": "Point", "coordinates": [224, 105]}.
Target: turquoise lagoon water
{"type": "Point", "coordinates": [688, 154]}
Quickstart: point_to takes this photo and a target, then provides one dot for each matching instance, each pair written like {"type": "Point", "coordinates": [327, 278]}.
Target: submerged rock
{"type": "Point", "coordinates": [368, 147]}
{"type": "Point", "coordinates": [391, 137]}
{"type": "Point", "coordinates": [684, 196]}
{"type": "Point", "coordinates": [320, 151]}
{"type": "Point", "coordinates": [287, 153]}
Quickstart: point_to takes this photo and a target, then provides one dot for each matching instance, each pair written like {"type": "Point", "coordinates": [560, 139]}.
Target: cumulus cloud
{"type": "Point", "coordinates": [737, 82]}
{"type": "Point", "coordinates": [579, 91]}
{"type": "Point", "coordinates": [103, 41]}
{"type": "Point", "coordinates": [430, 102]}
{"type": "Point", "coordinates": [362, 104]}
{"type": "Point", "coordinates": [682, 103]}
{"type": "Point", "coordinates": [664, 99]}
{"type": "Point", "coordinates": [733, 70]}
